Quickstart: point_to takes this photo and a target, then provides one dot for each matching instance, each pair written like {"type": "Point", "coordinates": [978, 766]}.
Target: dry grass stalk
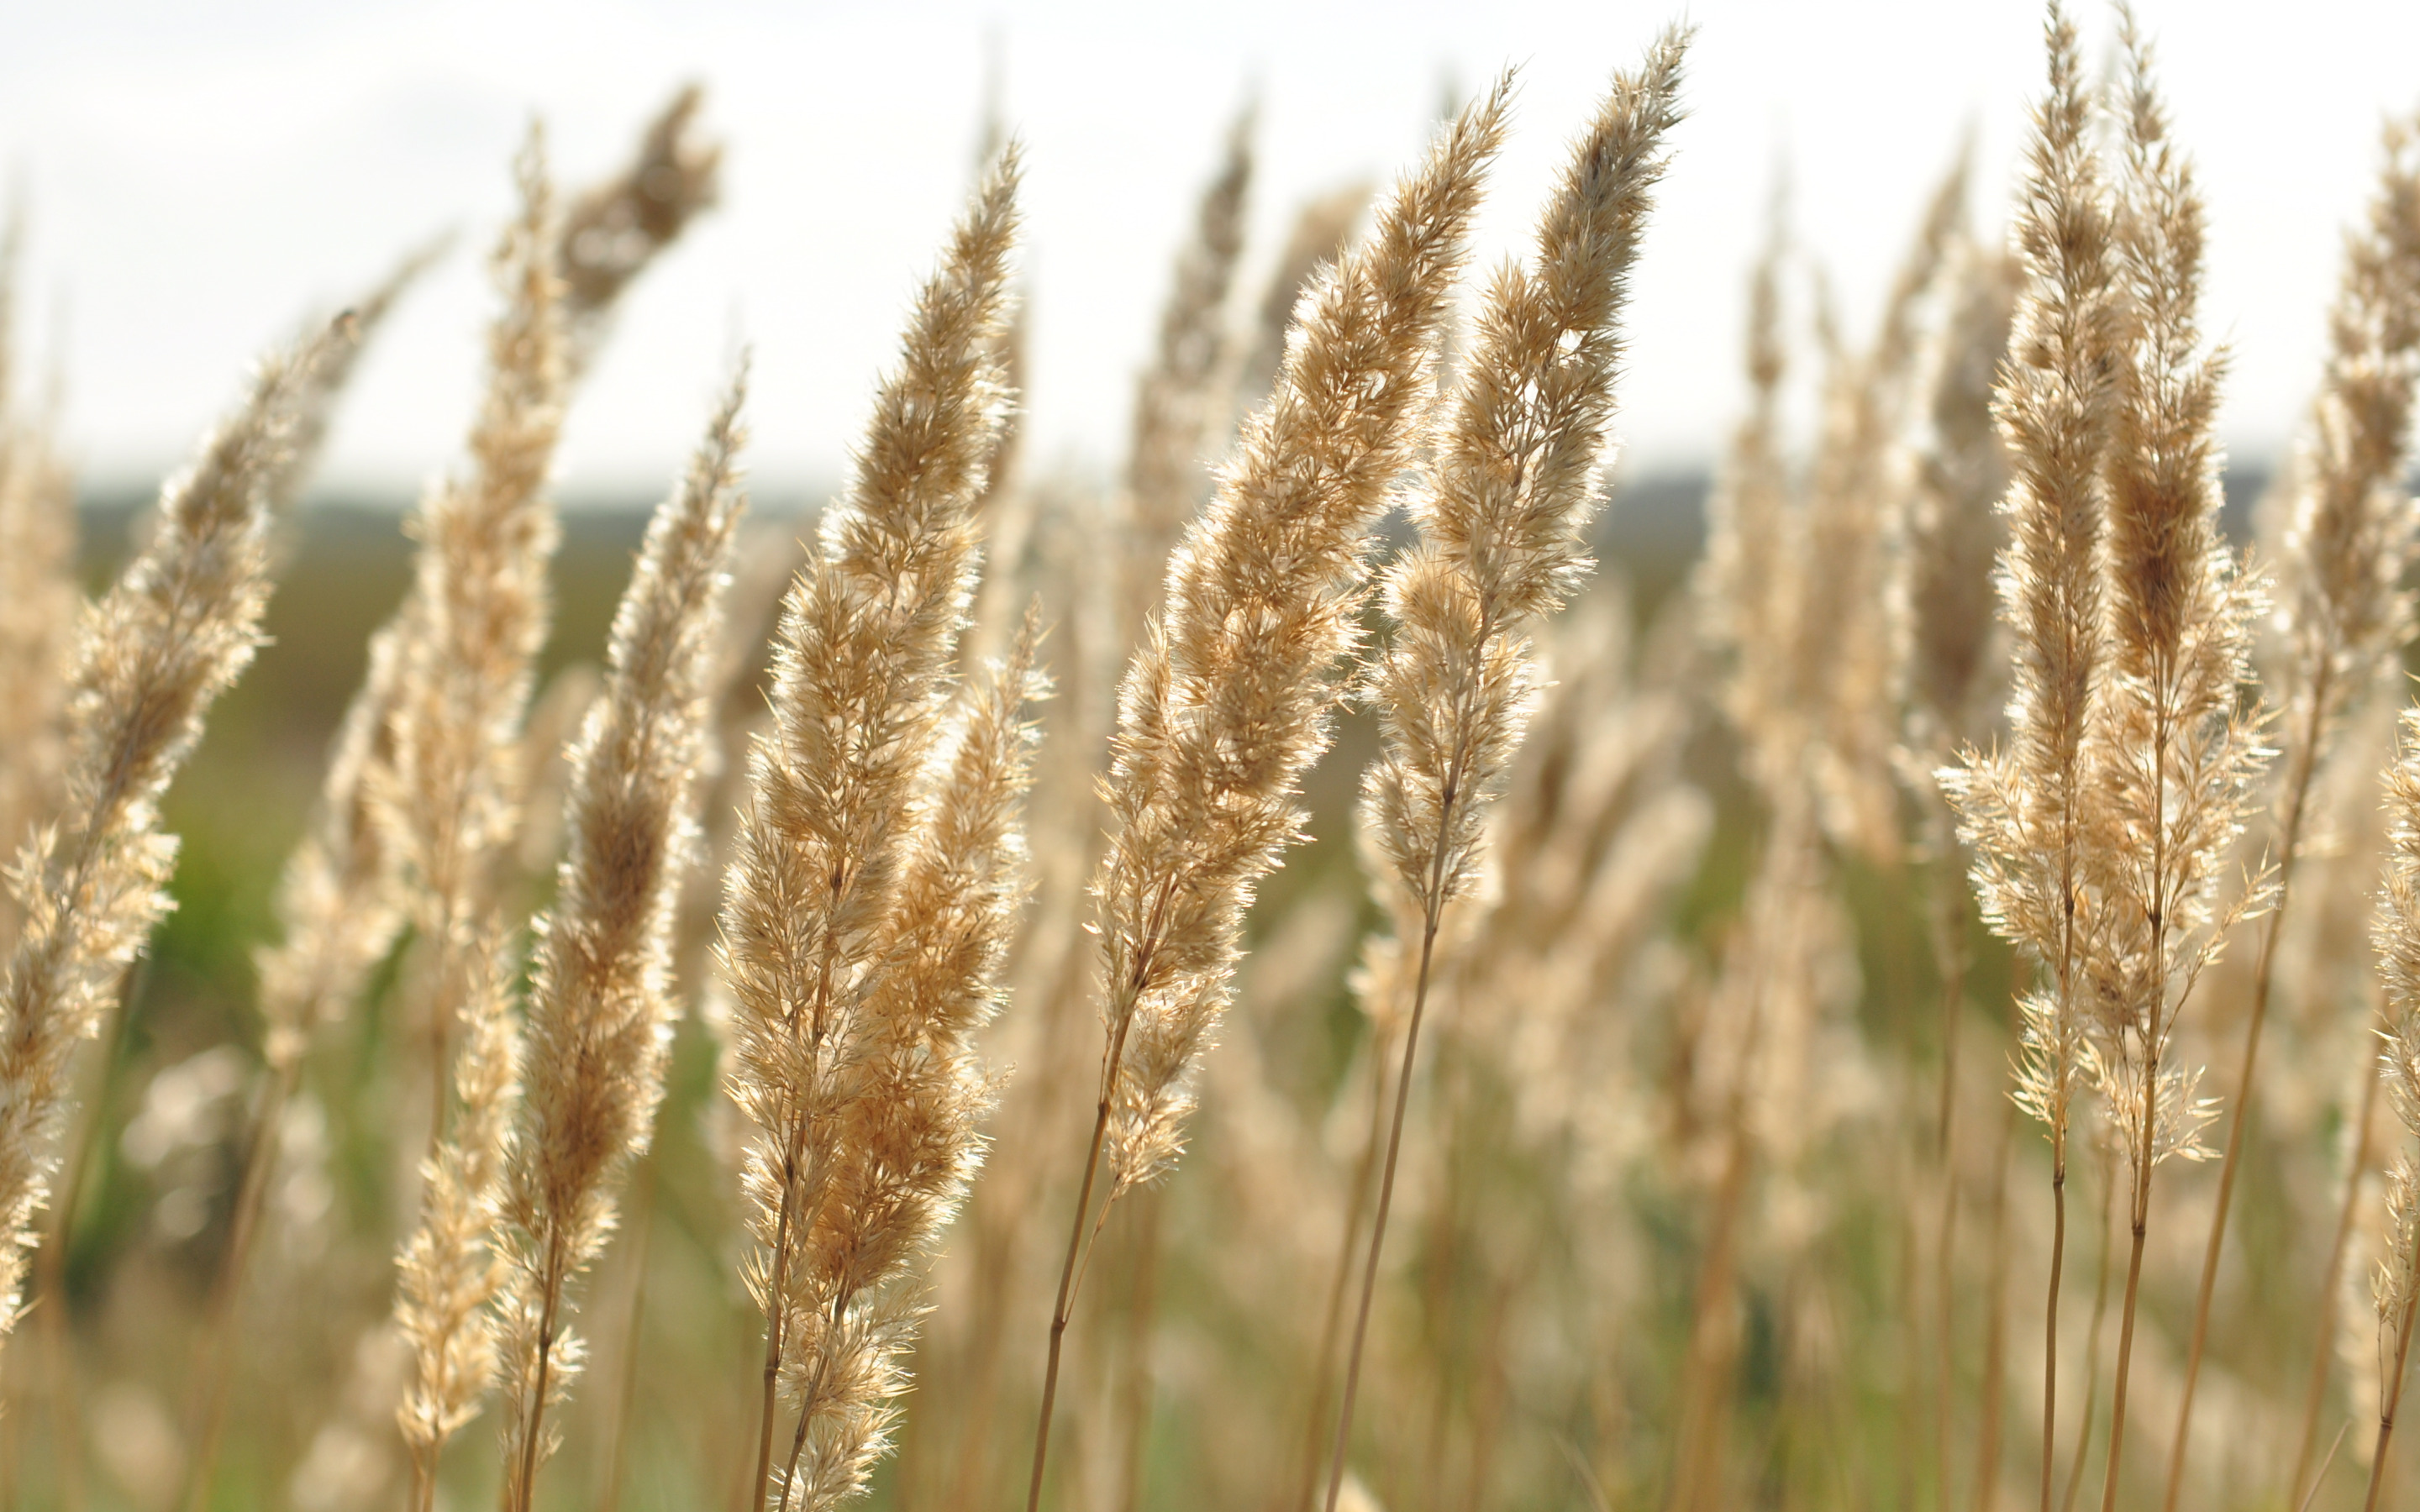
{"type": "Point", "coordinates": [1502, 541]}
{"type": "Point", "coordinates": [2396, 1287]}
{"type": "Point", "coordinates": [1225, 705]}
{"type": "Point", "coordinates": [1179, 397]}
{"type": "Point", "coordinates": [335, 906]}
{"type": "Point", "coordinates": [2346, 550]}
{"type": "Point", "coordinates": [1945, 603]}
{"type": "Point", "coordinates": [38, 596]}
{"type": "Point", "coordinates": [860, 955]}
{"type": "Point", "coordinates": [176, 630]}
{"type": "Point", "coordinates": [338, 903]}
{"type": "Point", "coordinates": [448, 1272]}
{"type": "Point", "coordinates": [2022, 807]}
{"type": "Point", "coordinates": [598, 1022]}
{"type": "Point", "coordinates": [614, 230]}
{"type": "Point", "coordinates": [448, 800]}
{"type": "Point", "coordinates": [1841, 661]}
{"type": "Point", "coordinates": [2175, 759]}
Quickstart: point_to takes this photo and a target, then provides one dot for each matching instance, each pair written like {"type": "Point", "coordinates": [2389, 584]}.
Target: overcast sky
{"type": "Point", "coordinates": [200, 174]}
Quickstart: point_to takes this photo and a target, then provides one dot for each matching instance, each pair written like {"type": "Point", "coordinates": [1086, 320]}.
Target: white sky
{"type": "Point", "coordinates": [201, 173]}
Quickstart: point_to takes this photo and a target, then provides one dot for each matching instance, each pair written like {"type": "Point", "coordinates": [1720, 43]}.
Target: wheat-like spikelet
{"type": "Point", "coordinates": [1178, 397]}
{"type": "Point", "coordinates": [2350, 538]}
{"type": "Point", "coordinates": [448, 1271]}
{"type": "Point", "coordinates": [2173, 760]}
{"type": "Point", "coordinates": [2348, 546]}
{"type": "Point", "coordinates": [1839, 655]}
{"type": "Point", "coordinates": [2396, 935]}
{"type": "Point", "coordinates": [614, 230]}
{"type": "Point", "coordinates": [1942, 607]}
{"type": "Point", "coordinates": [599, 1013]}
{"type": "Point", "coordinates": [817, 890]}
{"type": "Point", "coordinates": [903, 1142]}
{"type": "Point", "coordinates": [1954, 529]}
{"type": "Point", "coordinates": [39, 597]}
{"type": "Point", "coordinates": [1225, 705]}
{"type": "Point", "coordinates": [1745, 586]}
{"type": "Point", "coordinates": [2022, 806]}
{"type": "Point", "coordinates": [447, 798]}
{"type": "Point", "coordinates": [445, 802]}
{"type": "Point", "coordinates": [1502, 539]}
{"type": "Point", "coordinates": [176, 630]}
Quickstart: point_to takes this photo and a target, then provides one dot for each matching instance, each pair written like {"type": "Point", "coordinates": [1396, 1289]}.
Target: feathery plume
{"type": "Point", "coordinates": [614, 230]}
{"type": "Point", "coordinates": [1175, 400]}
{"type": "Point", "coordinates": [1503, 540]}
{"type": "Point", "coordinates": [2396, 1287]}
{"type": "Point", "coordinates": [449, 1272]}
{"type": "Point", "coordinates": [819, 905]}
{"type": "Point", "coordinates": [2348, 546]}
{"type": "Point", "coordinates": [1954, 529]}
{"type": "Point", "coordinates": [2174, 760]}
{"type": "Point", "coordinates": [600, 1015]}
{"type": "Point", "coordinates": [39, 597]}
{"type": "Point", "coordinates": [1839, 659]}
{"type": "Point", "coordinates": [445, 803]}
{"type": "Point", "coordinates": [178, 626]}
{"type": "Point", "coordinates": [905, 1142]}
{"type": "Point", "coordinates": [2022, 807]}
{"type": "Point", "coordinates": [1225, 705]}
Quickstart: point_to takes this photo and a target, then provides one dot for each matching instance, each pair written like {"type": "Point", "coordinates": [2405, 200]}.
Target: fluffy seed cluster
{"type": "Point", "coordinates": [39, 598]}
{"type": "Point", "coordinates": [446, 803]}
{"type": "Point", "coordinates": [177, 628]}
{"type": "Point", "coordinates": [1226, 703]}
{"type": "Point", "coordinates": [599, 1013]}
{"type": "Point", "coordinates": [615, 229]}
{"type": "Point", "coordinates": [2396, 1283]}
{"type": "Point", "coordinates": [1180, 396]}
{"type": "Point", "coordinates": [875, 872]}
{"type": "Point", "coordinates": [2022, 806]}
{"type": "Point", "coordinates": [1515, 484]}
{"type": "Point", "coordinates": [2173, 755]}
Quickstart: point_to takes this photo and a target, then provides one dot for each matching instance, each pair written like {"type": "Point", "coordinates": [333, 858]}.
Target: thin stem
{"type": "Point", "coordinates": [2305, 1504]}
{"type": "Point", "coordinates": [1142, 1310]}
{"type": "Point", "coordinates": [1995, 1327]}
{"type": "Point", "coordinates": [2315, 1394]}
{"type": "Point", "coordinates": [2263, 975]}
{"type": "Point", "coordinates": [2050, 1319]}
{"type": "Point", "coordinates": [626, 1386]}
{"type": "Point", "coordinates": [2154, 1032]}
{"type": "Point", "coordinates": [1387, 1178]}
{"type": "Point", "coordinates": [773, 1315]}
{"type": "Point", "coordinates": [1078, 1249]}
{"type": "Point", "coordinates": [2125, 1362]}
{"type": "Point", "coordinates": [2092, 1343]}
{"type": "Point", "coordinates": [525, 1473]}
{"type": "Point", "coordinates": [1307, 1482]}
{"type": "Point", "coordinates": [1949, 909]}
{"type": "Point", "coordinates": [50, 1259]}
{"type": "Point", "coordinates": [216, 1354]}
{"type": "Point", "coordinates": [2393, 1395]}
{"type": "Point", "coordinates": [809, 1397]}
